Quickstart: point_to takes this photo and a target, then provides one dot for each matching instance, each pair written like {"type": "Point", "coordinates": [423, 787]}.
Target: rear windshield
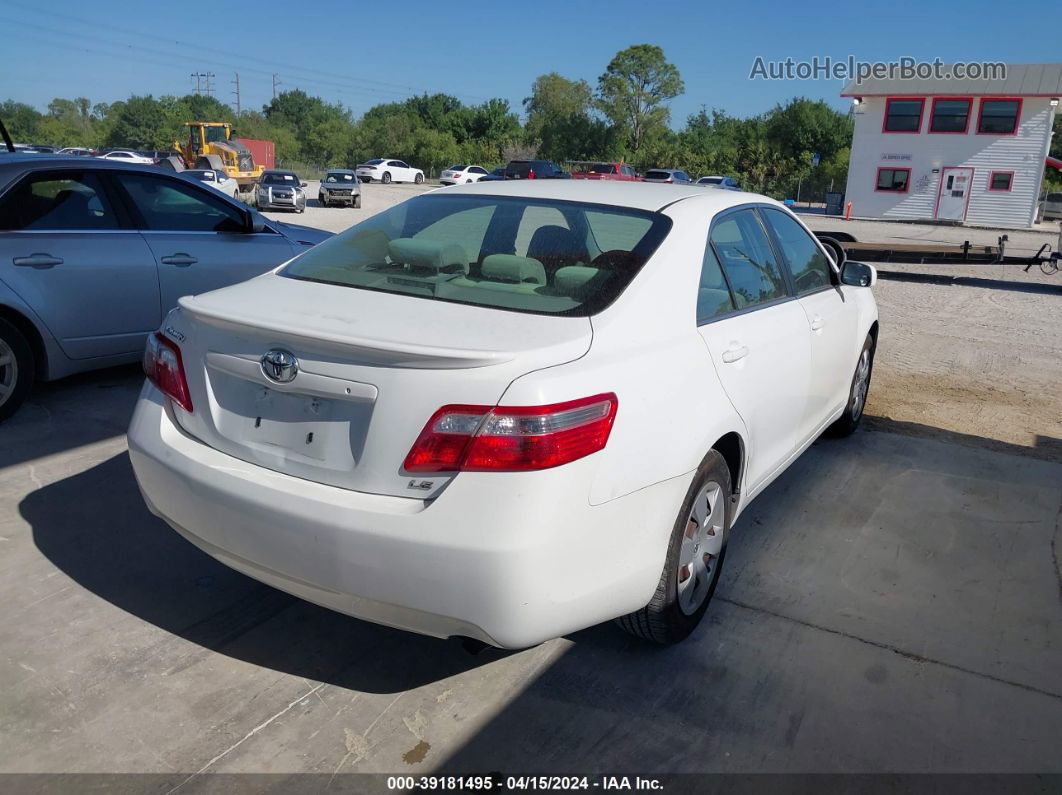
{"type": "Point", "coordinates": [596, 168]}
{"type": "Point", "coordinates": [518, 254]}
{"type": "Point", "coordinates": [459, 167]}
{"type": "Point", "coordinates": [657, 174]}
{"type": "Point", "coordinates": [710, 180]}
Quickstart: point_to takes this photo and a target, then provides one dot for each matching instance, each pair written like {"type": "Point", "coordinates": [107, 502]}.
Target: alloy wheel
{"type": "Point", "coordinates": [861, 385]}
{"type": "Point", "coordinates": [8, 371]}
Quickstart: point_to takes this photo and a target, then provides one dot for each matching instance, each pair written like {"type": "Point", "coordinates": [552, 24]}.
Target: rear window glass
{"type": "Point", "coordinates": [517, 254]}
{"type": "Point", "coordinates": [657, 174]}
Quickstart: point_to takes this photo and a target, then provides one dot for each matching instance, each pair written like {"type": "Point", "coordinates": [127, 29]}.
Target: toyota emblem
{"type": "Point", "coordinates": [280, 366]}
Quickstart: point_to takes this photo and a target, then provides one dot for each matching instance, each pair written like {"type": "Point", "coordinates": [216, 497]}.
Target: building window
{"type": "Point", "coordinates": [903, 115]}
{"type": "Point", "coordinates": [1001, 180]}
{"type": "Point", "coordinates": [893, 180]}
{"type": "Point", "coordinates": [999, 116]}
{"type": "Point", "coordinates": [950, 115]}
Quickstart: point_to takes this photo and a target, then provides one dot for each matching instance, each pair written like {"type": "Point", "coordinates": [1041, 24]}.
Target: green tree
{"type": "Point", "coordinates": [635, 89]}
{"type": "Point", "coordinates": [20, 119]}
{"type": "Point", "coordinates": [140, 123]}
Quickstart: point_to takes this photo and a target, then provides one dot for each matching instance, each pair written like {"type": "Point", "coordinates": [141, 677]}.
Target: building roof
{"type": "Point", "coordinates": [1022, 80]}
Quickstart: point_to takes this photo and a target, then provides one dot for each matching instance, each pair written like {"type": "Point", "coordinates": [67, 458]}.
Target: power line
{"type": "Point", "coordinates": [289, 68]}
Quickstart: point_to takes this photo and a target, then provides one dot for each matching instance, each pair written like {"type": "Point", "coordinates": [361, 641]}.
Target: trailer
{"type": "Point", "coordinates": [843, 245]}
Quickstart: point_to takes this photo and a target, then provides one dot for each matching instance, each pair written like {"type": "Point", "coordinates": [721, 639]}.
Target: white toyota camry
{"type": "Point", "coordinates": [506, 411]}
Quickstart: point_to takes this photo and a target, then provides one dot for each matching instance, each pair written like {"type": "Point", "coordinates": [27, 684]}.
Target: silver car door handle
{"type": "Point", "coordinates": [180, 259]}
{"type": "Point", "coordinates": [732, 354]}
{"type": "Point", "coordinates": [37, 260]}
{"type": "Point", "coordinates": [817, 323]}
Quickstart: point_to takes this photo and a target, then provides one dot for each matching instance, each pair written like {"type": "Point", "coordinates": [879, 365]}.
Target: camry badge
{"type": "Point", "coordinates": [280, 366]}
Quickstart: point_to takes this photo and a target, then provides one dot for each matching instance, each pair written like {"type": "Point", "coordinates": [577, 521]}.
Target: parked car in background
{"type": "Point", "coordinates": [461, 173]}
{"type": "Point", "coordinates": [126, 156]}
{"type": "Point", "coordinates": [619, 172]}
{"type": "Point", "coordinates": [494, 176]}
{"type": "Point", "coordinates": [1052, 206]}
{"type": "Point", "coordinates": [218, 180]}
{"type": "Point", "coordinates": [280, 190]}
{"type": "Point", "coordinates": [94, 252]}
{"type": "Point", "coordinates": [451, 418]}
{"type": "Point", "coordinates": [76, 151]}
{"type": "Point", "coordinates": [535, 169]}
{"type": "Point", "coordinates": [387, 171]}
{"type": "Point", "coordinates": [669, 175]}
{"type": "Point", "coordinates": [340, 186]}
{"type": "Point", "coordinates": [34, 149]}
{"type": "Point", "coordinates": [724, 183]}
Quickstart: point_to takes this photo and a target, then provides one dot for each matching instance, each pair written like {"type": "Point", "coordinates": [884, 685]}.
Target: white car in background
{"type": "Point", "coordinates": [510, 411]}
{"type": "Point", "coordinates": [456, 175]}
{"type": "Point", "coordinates": [383, 170]}
{"type": "Point", "coordinates": [218, 180]}
{"type": "Point", "coordinates": [126, 156]}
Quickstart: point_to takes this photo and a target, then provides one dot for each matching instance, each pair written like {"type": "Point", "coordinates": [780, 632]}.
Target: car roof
{"type": "Point", "coordinates": [20, 162]}
{"type": "Point", "coordinates": [637, 195]}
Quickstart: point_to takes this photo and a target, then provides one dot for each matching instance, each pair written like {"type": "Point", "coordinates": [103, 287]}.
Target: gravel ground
{"type": "Point", "coordinates": [980, 363]}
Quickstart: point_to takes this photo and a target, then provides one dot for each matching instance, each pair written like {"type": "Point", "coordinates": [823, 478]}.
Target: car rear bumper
{"type": "Point", "coordinates": [511, 559]}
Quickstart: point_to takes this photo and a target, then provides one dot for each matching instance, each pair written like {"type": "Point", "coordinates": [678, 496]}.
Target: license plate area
{"type": "Point", "coordinates": [287, 431]}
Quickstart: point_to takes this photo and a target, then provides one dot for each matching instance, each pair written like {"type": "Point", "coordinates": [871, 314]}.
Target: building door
{"type": "Point", "coordinates": [954, 196]}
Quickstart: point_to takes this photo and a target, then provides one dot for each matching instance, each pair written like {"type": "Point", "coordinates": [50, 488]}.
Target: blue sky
{"type": "Point", "coordinates": [363, 53]}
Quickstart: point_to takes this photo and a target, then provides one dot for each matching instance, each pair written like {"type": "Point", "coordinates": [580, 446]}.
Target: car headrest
{"type": "Point", "coordinates": [575, 280]}
{"type": "Point", "coordinates": [558, 244]}
{"type": "Point", "coordinates": [514, 269]}
{"type": "Point", "coordinates": [429, 255]}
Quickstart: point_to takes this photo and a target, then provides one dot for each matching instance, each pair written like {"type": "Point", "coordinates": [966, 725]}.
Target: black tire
{"type": "Point", "coordinates": [418, 179]}
{"type": "Point", "coordinates": [357, 202]}
{"type": "Point", "coordinates": [664, 620]}
{"type": "Point", "coordinates": [16, 375]}
{"type": "Point", "coordinates": [853, 411]}
{"type": "Point", "coordinates": [321, 200]}
{"type": "Point", "coordinates": [386, 180]}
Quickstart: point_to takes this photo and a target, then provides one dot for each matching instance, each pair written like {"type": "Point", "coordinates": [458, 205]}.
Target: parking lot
{"type": "Point", "coordinates": [893, 603]}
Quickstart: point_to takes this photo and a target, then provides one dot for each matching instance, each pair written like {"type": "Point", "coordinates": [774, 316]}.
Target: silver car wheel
{"type": "Point", "coordinates": [8, 372]}
{"type": "Point", "coordinates": [861, 385]}
{"type": "Point", "coordinates": [702, 544]}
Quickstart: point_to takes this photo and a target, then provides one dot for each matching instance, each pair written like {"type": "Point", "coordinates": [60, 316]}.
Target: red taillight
{"type": "Point", "coordinates": [530, 173]}
{"type": "Point", "coordinates": [164, 368]}
{"type": "Point", "coordinates": [512, 438]}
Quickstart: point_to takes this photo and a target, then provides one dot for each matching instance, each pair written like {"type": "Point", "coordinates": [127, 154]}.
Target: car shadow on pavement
{"type": "Point", "coordinates": [95, 528]}
{"type": "Point", "coordinates": [71, 412]}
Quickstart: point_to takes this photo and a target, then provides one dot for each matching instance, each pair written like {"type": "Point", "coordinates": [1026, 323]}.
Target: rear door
{"type": "Point", "coordinates": [758, 338]}
{"type": "Point", "coordinates": [71, 255]}
{"type": "Point", "coordinates": [198, 239]}
{"type": "Point", "coordinates": [832, 320]}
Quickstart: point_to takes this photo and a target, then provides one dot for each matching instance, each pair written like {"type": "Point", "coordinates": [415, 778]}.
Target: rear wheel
{"type": "Point", "coordinates": [17, 369]}
{"type": "Point", "coordinates": [386, 178]}
{"type": "Point", "coordinates": [694, 559]}
{"type": "Point", "coordinates": [857, 393]}
{"type": "Point", "coordinates": [418, 179]}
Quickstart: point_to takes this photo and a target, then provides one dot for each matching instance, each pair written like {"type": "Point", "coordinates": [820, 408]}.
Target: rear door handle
{"type": "Point", "coordinates": [817, 323]}
{"type": "Point", "coordinates": [180, 259]}
{"type": "Point", "coordinates": [38, 260]}
{"type": "Point", "coordinates": [733, 353]}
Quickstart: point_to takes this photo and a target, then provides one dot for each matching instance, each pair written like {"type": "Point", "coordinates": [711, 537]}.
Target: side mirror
{"type": "Point", "coordinates": [255, 222]}
{"type": "Point", "coordinates": [859, 274]}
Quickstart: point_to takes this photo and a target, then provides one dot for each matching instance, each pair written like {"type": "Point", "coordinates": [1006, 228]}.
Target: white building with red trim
{"type": "Point", "coordinates": [953, 150]}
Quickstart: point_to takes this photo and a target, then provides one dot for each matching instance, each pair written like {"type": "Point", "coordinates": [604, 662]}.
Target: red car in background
{"type": "Point", "coordinates": [594, 169]}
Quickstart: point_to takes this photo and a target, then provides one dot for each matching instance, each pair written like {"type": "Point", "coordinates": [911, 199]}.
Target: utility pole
{"type": "Point", "coordinates": [202, 83]}
{"type": "Point", "coordinates": [236, 91]}
{"type": "Point", "coordinates": [276, 82]}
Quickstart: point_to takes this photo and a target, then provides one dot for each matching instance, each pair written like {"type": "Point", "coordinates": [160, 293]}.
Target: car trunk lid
{"type": "Point", "coordinates": [371, 368]}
